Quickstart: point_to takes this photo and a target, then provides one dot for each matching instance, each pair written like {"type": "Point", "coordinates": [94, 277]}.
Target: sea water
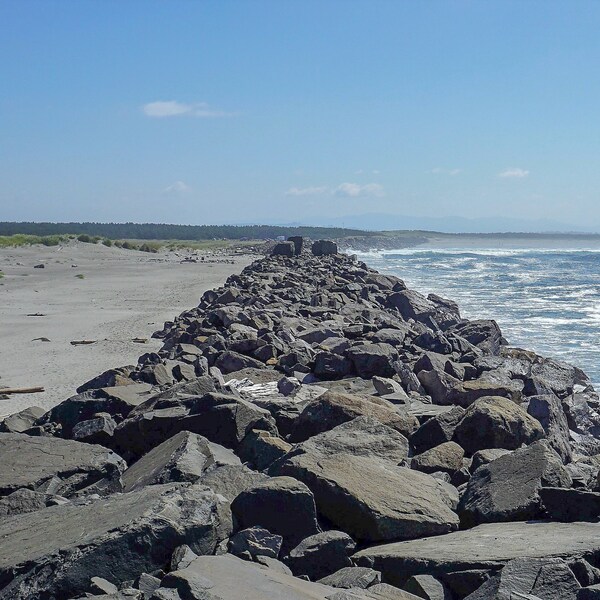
{"type": "Point", "coordinates": [544, 299]}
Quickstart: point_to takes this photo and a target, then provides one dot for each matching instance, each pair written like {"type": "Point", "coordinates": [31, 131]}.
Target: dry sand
{"type": "Point", "coordinates": [124, 294]}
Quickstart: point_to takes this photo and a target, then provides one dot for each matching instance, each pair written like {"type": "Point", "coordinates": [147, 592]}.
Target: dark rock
{"type": "Point", "coordinates": [116, 538]}
{"type": "Point", "coordinates": [284, 249]}
{"type": "Point", "coordinates": [373, 359]}
{"type": "Point", "coordinates": [183, 457]}
{"type": "Point", "coordinates": [324, 248]}
{"type": "Point", "coordinates": [447, 457]}
{"type": "Point", "coordinates": [321, 554]}
{"type": "Point", "coordinates": [428, 587]}
{"type": "Point", "coordinates": [352, 577]}
{"type": "Point", "coordinates": [486, 335]}
{"type": "Point", "coordinates": [182, 557]}
{"type": "Point", "coordinates": [298, 242]}
{"type": "Point", "coordinates": [231, 480]}
{"type": "Point", "coordinates": [229, 361]}
{"type": "Point", "coordinates": [282, 505]}
{"type": "Point", "coordinates": [495, 422]}
{"type": "Point", "coordinates": [471, 549]}
{"type": "Point", "coordinates": [507, 489]}
{"type": "Point", "coordinates": [549, 412]}
{"type": "Point", "coordinates": [21, 501]}
{"type": "Point", "coordinates": [437, 430]}
{"type": "Point", "coordinates": [22, 420]}
{"type": "Point", "coordinates": [570, 505]}
{"type": "Point", "coordinates": [589, 593]}
{"type": "Point", "coordinates": [483, 457]}
{"type": "Point", "coordinates": [262, 448]}
{"type": "Point", "coordinates": [332, 409]}
{"type": "Point", "coordinates": [256, 541]}
{"type": "Point", "coordinates": [98, 430]}
{"type": "Point", "coordinates": [54, 466]}
{"type": "Point", "coordinates": [147, 584]}
{"type": "Point", "coordinates": [110, 378]}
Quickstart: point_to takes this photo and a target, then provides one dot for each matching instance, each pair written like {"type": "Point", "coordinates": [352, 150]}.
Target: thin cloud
{"type": "Point", "coordinates": [308, 191]}
{"type": "Point", "coordinates": [171, 108]}
{"type": "Point", "coordinates": [179, 187]}
{"type": "Point", "coordinates": [442, 171]}
{"type": "Point", "coordinates": [355, 190]}
{"type": "Point", "coordinates": [345, 190]}
{"type": "Point", "coordinates": [514, 173]}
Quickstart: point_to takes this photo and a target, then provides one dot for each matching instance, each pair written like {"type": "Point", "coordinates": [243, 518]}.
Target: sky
{"type": "Point", "coordinates": [258, 111]}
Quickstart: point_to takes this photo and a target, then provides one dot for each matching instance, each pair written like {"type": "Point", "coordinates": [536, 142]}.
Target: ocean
{"type": "Point", "coordinates": [544, 299]}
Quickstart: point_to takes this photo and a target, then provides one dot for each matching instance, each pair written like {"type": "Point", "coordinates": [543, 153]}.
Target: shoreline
{"type": "Point", "coordinates": [123, 294]}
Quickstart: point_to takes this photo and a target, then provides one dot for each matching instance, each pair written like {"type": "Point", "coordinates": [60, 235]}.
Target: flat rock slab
{"type": "Point", "coordinates": [56, 466]}
{"type": "Point", "coordinates": [53, 553]}
{"type": "Point", "coordinates": [229, 578]}
{"type": "Point", "coordinates": [488, 546]}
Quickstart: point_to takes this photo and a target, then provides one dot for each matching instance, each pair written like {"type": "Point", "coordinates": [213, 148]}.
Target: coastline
{"type": "Point", "coordinates": [122, 295]}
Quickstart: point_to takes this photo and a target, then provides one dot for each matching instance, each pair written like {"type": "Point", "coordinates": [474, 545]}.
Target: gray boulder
{"type": "Point", "coordinates": [22, 420]}
{"type": "Point", "coordinates": [184, 457]}
{"type": "Point", "coordinates": [284, 249]}
{"type": "Point", "coordinates": [549, 412]}
{"type": "Point", "coordinates": [570, 505]}
{"type": "Point", "coordinates": [229, 578]}
{"type": "Point", "coordinates": [283, 505]}
{"type": "Point", "coordinates": [55, 466]}
{"type": "Point", "coordinates": [369, 498]}
{"type": "Point", "coordinates": [333, 408]}
{"type": "Point", "coordinates": [472, 550]}
{"type": "Point", "coordinates": [447, 458]}
{"type": "Point", "coordinates": [255, 541]}
{"type": "Point", "coordinates": [437, 430]}
{"type": "Point", "coordinates": [98, 430]}
{"type": "Point", "coordinates": [53, 553]}
{"type": "Point", "coordinates": [321, 554]}
{"type": "Point", "coordinates": [21, 501]}
{"type": "Point", "coordinates": [373, 359]}
{"type": "Point", "coordinates": [352, 577]}
{"type": "Point", "coordinates": [507, 489]}
{"type": "Point", "coordinates": [495, 422]}
{"type": "Point", "coordinates": [324, 248]}
{"type": "Point", "coordinates": [428, 587]}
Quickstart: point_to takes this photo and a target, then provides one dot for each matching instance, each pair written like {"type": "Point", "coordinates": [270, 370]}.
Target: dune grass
{"type": "Point", "coordinates": [19, 239]}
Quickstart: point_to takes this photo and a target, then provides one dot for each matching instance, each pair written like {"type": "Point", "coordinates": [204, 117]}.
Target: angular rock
{"type": "Point", "coordinates": [324, 248]}
{"type": "Point", "coordinates": [22, 420]}
{"type": "Point", "coordinates": [437, 430]}
{"type": "Point", "coordinates": [98, 430]}
{"type": "Point", "coordinates": [447, 458]}
{"type": "Point", "coordinates": [230, 578]}
{"type": "Point", "coordinates": [255, 541]}
{"type": "Point", "coordinates": [21, 501]}
{"type": "Point", "coordinates": [428, 587]}
{"type": "Point", "coordinates": [483, 457]}
{"type": "Point", "coordinates": [321, 554]}
{"type": "Point", "coordinates": [183, 457]}
{"type": "Point", "coordinates": [495, 422]}
{"type": "Point", "coordinates": [373, 359]}
{"type": "Point", "coordinates": [283, 505]}
{"type": "Point", "coordinates": [549, 412]}
{"type": "Point", "coordinates": [262, 448]}
{"type": "Point", "coordinates": [570, 505]}
{"type": "Point", "coordinates": [231, 480]}
{"type": "Point", "coordinates": [116, 538]}
{"type": "Point", "coordinates": [284, 249]}
{"type": "Point", "coordinates": [56, 466]}
{"type": "Point", "coordinates": [369, 498]}
{"type": "Point", "coordinates": [472, 549]}
{"type": "Point", "coordinates": [507, 489]}
{"type": "Point", "coordinates": [352, 577]}
{"type": "Point", "coordinates": [333, 408]}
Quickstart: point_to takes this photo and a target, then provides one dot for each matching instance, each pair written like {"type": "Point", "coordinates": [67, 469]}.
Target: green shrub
{"type": "Point", "coordinates": [80, 276]}
{"type": "Point", "coordinates": [84, 237]}
{"type": "Point", "coordinates": [106, 242]}
{"type": "Point", "coordinates": [128, 245]}
{"type": "Point", "coordinates": [150, 247]}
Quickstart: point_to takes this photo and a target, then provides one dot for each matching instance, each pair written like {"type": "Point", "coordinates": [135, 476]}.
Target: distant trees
{"type": "Point", "coordinates": [162, 231]}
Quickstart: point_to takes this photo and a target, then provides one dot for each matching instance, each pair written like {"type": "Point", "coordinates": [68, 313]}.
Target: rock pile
{"type": "Point", "coordinates": [311, 430]}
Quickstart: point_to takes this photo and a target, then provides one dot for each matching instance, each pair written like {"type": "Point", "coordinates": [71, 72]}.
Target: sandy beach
{"type": "Point", "coordinates": [90, 292]}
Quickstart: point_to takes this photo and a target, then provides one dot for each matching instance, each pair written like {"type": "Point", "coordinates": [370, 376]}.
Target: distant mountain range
{"type": "Point", "coordinates": [452, 224]}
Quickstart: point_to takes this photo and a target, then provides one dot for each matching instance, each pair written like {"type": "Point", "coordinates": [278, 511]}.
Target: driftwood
{"type": "Point", "coordinates": [35, 315]}
{"type": "Point", "coordinates": [140, 340]}
{"type": "Point", "coordinates": [30, 390]}
{"type": "Point", "coordinates": [82, 342]}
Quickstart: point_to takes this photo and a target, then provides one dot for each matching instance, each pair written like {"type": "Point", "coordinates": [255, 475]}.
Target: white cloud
{"type": "Point", "coordinates": [172, 108]}
{"type": "Point", "coordinates": [514, 173]}
{"type": "Point", "coordinates": [309, 191]}
{"type": "Point", "coordinates": [354, 190]}
{"type": "Point", "coordinates": [179, 187]}
{"type": "Point", "coordinates": [346, 190]}
{"type": "Point", "coordinates": [442, 171]}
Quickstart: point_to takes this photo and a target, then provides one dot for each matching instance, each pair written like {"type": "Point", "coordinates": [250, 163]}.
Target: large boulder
{"type": "Point", "coordinates": [370, 498]}
{"type": "Point", "coordinates": [324, 248]}
{"type": "Point", "coordinates": [507, 489]}
{"type": "Point", "coordinates": [222, 418]}
{"type": "Point", "coordinates": [447, 458]}
{"type": "Point", "coordinates": [495, 422]}
{"type": "Point", "coordinates": [321, 554]}
{"type": "Point", "coordinates": [437, 430]}
{"type": "Point", "coordinates": [486, 547]}
{"type": "Point", "coordinates": [22, 420]}
{"type": "Point", "coordinates": [55, 466]}
{"type": "Point", "coordinates": [230, 578]}
{"type": "Point", "coordinates": [183, 457]}
{"type": "Point", "coordinates": [373, 359]}
{"type": "Point", "coordinates": [549, 412]}
{"type": "Point", "coordinates": [53, 553]}
{"type": "Point", "coordinates": [486, 335]}
{"type": "Point", "coordinates": [282, 505]}
{"type": "Point", "coordinates": [334, 408]}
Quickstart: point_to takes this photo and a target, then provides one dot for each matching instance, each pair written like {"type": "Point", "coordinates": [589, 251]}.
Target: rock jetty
{"type": "Point", "coordinates": [311, 430]}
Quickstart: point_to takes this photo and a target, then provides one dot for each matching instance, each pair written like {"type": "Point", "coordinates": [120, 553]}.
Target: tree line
{"type": "Point", "coordinates": [163, 231]}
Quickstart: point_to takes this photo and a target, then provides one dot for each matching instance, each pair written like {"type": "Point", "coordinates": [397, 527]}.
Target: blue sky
{"type": "Point", "coordinates": [255, 111]}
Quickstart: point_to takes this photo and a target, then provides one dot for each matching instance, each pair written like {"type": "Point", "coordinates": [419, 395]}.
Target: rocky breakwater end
{"type": "Point", "coordinates": [311, 430]}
